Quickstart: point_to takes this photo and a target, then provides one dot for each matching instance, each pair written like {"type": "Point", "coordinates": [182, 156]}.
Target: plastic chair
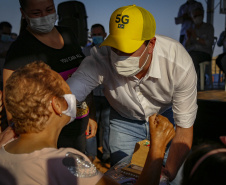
{"type": "Point", "coordinates": [203, 68]}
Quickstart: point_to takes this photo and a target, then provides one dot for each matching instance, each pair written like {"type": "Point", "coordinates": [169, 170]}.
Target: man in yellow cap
{"type": "Point", "coordinates": [142, 74]}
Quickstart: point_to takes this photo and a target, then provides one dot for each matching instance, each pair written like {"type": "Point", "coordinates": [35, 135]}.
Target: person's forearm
{"type": "Point", "coordinates": [161, 132]}
{"type": "Point", "coordinates": [152, 168]}
{"type": "Point", "coordinates": [7, 135]}
{"type": "Point", "coordinates": [179, 149]}
{"type": "Point", "coordinates": [6, 74]}
{"type": "Point", "coordinates": [151, 171]}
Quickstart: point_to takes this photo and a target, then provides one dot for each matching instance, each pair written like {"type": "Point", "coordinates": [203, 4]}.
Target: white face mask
{"type": "Point", "coordinates": [198, 20]}
{"type": "Point", "coordinates": [72, 109]}
{"type": "Point", "coordinates": [127, 65]}
{"type": "Point", "coordinates": [42, 24]}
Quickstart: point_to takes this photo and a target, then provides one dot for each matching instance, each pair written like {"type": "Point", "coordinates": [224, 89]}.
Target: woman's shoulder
{"type": "Point", "coordinates": [60, 153]}
{"type": "Point", "coordinates": [71, 164]}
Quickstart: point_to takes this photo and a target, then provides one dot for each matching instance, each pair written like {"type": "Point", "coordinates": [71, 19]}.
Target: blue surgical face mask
{"type": "Point", "coordinates": [97, 39]}
{"type": "Point", "coordinates": [6, 38]}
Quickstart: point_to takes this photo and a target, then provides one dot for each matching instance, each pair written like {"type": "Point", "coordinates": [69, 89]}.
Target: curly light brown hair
{"type": "Point", "coordinates": [28, 93]}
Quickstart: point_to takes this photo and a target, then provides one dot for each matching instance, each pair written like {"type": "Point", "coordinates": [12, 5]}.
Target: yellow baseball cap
{"type": "Point", "coordinates": [129, 27]}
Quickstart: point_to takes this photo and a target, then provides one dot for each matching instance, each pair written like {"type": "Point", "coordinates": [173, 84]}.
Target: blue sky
{"type": "Point", "coordinates": [99, 11]}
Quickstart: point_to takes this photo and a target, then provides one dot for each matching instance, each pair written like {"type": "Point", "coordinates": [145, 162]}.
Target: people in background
{"type": "Point", "coordinates": [221, 59]}
{"type": "Point", "coordinates": [199, 39]}
{"type": "Point", "coordinates": [184, 17]}
{"type": "Point", "coordinates": [102, 106]}
{"type": "Point", "coordinates": [98, 35]}
{"type": "Point", "coordinates": [6, 40]}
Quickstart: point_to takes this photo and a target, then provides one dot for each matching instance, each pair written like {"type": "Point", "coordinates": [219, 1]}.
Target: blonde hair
{"type": "Point", "coordinates": [28, 93]}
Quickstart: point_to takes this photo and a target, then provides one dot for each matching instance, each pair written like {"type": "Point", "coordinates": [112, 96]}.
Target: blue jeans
{"type": "Point", "coordinates": [125, 133]}
{"type": "Point", "coordinates": [91, 147]}
{"type": "Point", "coordinates": [102, 116]}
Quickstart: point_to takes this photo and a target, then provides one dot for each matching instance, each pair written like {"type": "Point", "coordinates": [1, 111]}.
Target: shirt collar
{"type": "Point", "coordinates": [154, 69]}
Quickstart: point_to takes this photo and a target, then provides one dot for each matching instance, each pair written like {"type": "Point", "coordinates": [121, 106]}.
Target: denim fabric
{"type": "Point", "coordinates": [125, 133]}
{"type": "Point", "coordinates": [102, 116]}
{"type": "Point", "coordinates": [91, 147]}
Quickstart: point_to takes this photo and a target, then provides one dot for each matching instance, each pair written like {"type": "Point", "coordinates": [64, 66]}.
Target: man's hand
{"type": "Point", "coordinates": [161, 131]}
{"type": "Point", "coordinates": [92, 126]}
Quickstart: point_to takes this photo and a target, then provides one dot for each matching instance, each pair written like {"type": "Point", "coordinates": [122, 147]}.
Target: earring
{"type": "Point", "coordinates": [60, 115]}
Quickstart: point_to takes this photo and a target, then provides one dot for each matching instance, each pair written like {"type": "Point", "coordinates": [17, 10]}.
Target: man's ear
{"type": "Point", "coordinates": [151, 45]}
{"type": "Point", "coordinates": [105, 34]}
{"type": "Point", "coordinates": [56, 104]}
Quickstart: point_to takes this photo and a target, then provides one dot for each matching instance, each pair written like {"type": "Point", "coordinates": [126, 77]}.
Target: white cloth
{"type": "Point", "coordinates": [170, 81]}
{"type": "Point", "coordinates": [41, 167]}
{"type": "Point", "coordinates": [86, 50]}
{"type": "Point", "coordinates": [98, 91]}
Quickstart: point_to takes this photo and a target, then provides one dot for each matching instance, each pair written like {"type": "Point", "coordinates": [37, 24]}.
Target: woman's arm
{"type": "Point", "coordinates": [161, 133]}
{"type": "Point", "coordinates": [6, 74]}
{"type": "Point", "coordinates": [7, 135]}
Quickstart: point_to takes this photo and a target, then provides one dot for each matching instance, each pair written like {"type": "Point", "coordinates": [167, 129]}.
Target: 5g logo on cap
{"type": "Point", "coordinates": [129, 27]}
{"type": "Point", "coordinates": [124, 19]}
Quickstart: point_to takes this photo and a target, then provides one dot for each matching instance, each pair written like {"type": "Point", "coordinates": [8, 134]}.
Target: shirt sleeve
{"type": "Point", "coordinates": [185, 93]}
{"type": "Point", "coordinates": [90, 73]}
{"type": "Point", "coordinates": [85, 79]}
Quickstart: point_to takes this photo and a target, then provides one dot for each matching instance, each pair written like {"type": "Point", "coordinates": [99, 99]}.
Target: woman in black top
{"type": "Point", "coordinates": [57, 46]}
